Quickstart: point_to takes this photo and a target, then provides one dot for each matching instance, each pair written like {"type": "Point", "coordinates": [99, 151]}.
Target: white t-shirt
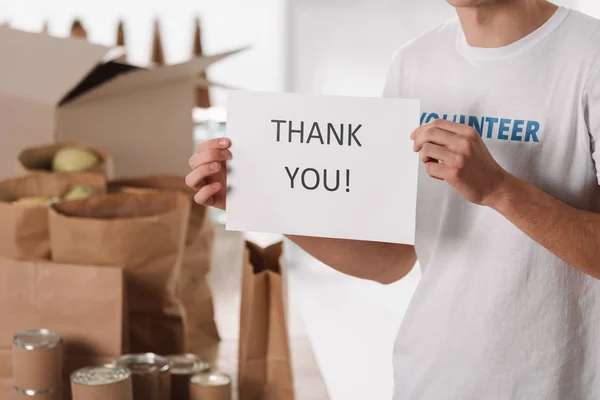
{"type": "Point", "coordinates": [497, 316]}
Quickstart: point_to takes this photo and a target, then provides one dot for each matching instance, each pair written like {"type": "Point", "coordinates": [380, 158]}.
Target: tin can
{"type": "Point", "coordinates": [183, 367]}
{"type": "Point", "coordinates": [150, 375]}
{"type": "Point", "coordinates": [20, 394]}
{"type": "Point", "coordinates": [100, 383]}
{"type": "Point", "coordinates": [37, 361]}
{"type": "Point", "coordinates": [210, 386]}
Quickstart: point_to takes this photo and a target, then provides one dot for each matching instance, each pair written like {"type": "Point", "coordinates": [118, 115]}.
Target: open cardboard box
{"type": "Point", "coordinates": [69, 90]}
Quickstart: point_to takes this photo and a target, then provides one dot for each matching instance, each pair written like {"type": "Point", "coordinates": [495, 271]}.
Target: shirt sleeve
{"type": "Point", "coordinates": [591, 111]}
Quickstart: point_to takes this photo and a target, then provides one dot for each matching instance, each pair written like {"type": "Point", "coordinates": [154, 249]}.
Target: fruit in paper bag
{"type": "Point", "coordinates": [33, 201]}
{"type": "Point", "coordinates": [79, 192]}
{"type": "Point", "coordinates": [73, 159]}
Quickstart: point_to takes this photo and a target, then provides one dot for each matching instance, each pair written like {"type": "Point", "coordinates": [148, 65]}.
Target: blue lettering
{"type": "Point", "coordinates": [517, 128]}
{"type": "Point", "coordinates": [504, 127]}
{"type": "Point", "coordinates": [489, 127]}
{"type": "Point", "coordinates": [491, 122]}
{"type": "Point", "coordinates": [474, 122]}
{"type": "Point", "coordinates": [432, 116]}
{"type": "Point", "coordinates": [531, 132]}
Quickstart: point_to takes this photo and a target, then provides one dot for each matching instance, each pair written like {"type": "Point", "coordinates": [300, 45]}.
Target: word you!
{"type": "Point", "coordinates": [325, 134]}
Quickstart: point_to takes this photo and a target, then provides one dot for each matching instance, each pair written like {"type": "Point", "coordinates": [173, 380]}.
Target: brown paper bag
{"type": "Point", "coordinates": [24, 230]}
{"type": "Point", "coordinates": [144, 232]}
{"type": "Point", "coordinates": [39, 159]}
{"type": "Point", "coordinates": [265, 371]}
{"type": "Point", "coordinates": [192, 287]}
{"type": "Point", "coordinates": [84, 304]}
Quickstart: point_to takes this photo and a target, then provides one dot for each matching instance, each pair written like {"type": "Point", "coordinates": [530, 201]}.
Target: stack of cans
{"type": "Point", "coordinates": [150, 375]}
{"type": "Point", "coordinates": [101, 383]}
{"type": "Point", "coordinates": [37, 365]}
{"type": "Point", "coordinates": [183, 367]}
{"type": "Point", "coordinates": [210, 386]}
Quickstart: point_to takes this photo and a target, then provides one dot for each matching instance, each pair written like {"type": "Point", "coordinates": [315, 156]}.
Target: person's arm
{"type": "Point", "coordinates": [569, 233]}
{"type": "Point", "coordinates": [382, 262]}
{"type": "Point", "coordinates": [456, 154]}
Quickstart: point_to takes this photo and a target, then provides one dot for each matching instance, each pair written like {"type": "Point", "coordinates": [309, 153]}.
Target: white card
{"type": "Point", "coordinates": [338, 167]}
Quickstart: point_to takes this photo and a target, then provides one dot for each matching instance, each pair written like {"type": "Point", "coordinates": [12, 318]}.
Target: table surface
{"type": "Point", "coordinates": [225, 280]}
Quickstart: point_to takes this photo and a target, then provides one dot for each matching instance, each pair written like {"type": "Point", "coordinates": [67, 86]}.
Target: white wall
{"type": "Point", "coordinates": [591, 7]}
{"type": "Point", "coordinates": [227, 24]}
{"type": "Point", "coordinates": [345, 47]}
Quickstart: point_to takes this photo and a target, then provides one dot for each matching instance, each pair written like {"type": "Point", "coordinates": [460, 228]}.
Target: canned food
{"type": "Point", "coordinates": [150, 375]}
{"type": "Point", "coordinates": [102, 382]}
{"type": "Point", "coordinates": [210, 386]}
{"type": "Point", "coordinates": [183, 367]}
{"type": "Point", "coordinates": [20, 394]}
{"type": "Point", "coordinates": [37, 361]}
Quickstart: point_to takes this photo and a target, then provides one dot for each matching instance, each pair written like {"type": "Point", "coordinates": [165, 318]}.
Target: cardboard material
{"type": "Point", "coordinates": [202, 93]}
{"type": "Point", "coordinates": [77, 30]}
{"type": "Point", "coordinates": [121, 40]}
{"type": "Point", "coordinates": [312, 165]}
{"type": "Point", "coordinates": [84, 304]}
{"type": "Point", "coordinates": [193, 290]}
{"type": "Point", "coordinates": [68, 90]}
{"type": "Point", "coordinates": [265, 370]}
{"type": "Point", "coordinates": [39, 159]}
{"type": "Point", "coordinates": [145, 233]}
{"type": "Point", "coordinates": [158, 56]}
{"type": "Point", "coordinates": [24, 230]}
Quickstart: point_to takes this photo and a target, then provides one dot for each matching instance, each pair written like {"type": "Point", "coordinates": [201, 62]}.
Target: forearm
{"type": "Point", "coordinates": [381, 262]}
{"type": "Point", "coordinates": [571, 234]}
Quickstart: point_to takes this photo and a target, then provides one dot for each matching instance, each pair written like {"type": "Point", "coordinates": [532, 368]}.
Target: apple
{"type": "Point", "coordinates": [74, 159]}
{"type": "Point", "coordinates": [79, 192]}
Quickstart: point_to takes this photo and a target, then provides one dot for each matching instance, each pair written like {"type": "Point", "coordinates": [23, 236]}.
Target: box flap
{"type": "Point", "coordinates": [147, 132]}
{"type": "Point", "coordinates": [158, 76]}
{"type": "Point", "coordinates": [44, 68]}
{"type": "Point", "coordinates": [98, 76]}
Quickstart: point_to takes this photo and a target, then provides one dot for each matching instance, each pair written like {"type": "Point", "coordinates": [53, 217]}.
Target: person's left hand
{"type": "Point", "coordinates": [456, 154]}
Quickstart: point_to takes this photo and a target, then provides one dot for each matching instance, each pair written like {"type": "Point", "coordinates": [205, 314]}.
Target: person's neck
{"type": "Point", "coordinates": [499, 25]}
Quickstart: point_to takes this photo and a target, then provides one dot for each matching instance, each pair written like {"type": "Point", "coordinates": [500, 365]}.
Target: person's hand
{"type": "Point", "coordinates": [456, 154]}
{"type": "Point", "coordinates": [209, 172]}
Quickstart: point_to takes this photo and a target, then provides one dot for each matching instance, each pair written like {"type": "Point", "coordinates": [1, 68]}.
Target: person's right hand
{"type": "Point", "coordinates": [209, 172]}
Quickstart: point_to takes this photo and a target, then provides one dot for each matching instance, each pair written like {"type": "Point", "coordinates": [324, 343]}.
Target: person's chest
{"type": "Point", "coordinates": [528, 112]}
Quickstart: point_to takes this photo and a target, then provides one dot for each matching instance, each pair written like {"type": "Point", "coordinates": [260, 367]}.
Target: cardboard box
{"type": "Point", "coordinates": [68, 90]}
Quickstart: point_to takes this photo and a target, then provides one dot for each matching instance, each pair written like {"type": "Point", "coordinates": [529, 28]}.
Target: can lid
{"type": "Point", "coordinates": [143, 363]}
{"type": "Point", "coordinates": [211, 379]}
{"type": "Point", "coordinates": [188, 364]}
{"type": "Point", "coordinates": [101, 375]}
{"type": "Point", "coordinates": [36, 339]}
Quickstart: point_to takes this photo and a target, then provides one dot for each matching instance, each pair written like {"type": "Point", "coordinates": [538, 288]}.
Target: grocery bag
{"type": "Point", "coordinates": [83, 303]}
{"type": "Point", "coordinates": [143, 232]}
{"type": "Point", "coordinates": [24, 230]}
{"type": "Point", "coordinates": [201, 334]}
{"type": "Point", "coordinates": [265, 371]}
{"type": "Point", "coordinates": [39, 159]}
